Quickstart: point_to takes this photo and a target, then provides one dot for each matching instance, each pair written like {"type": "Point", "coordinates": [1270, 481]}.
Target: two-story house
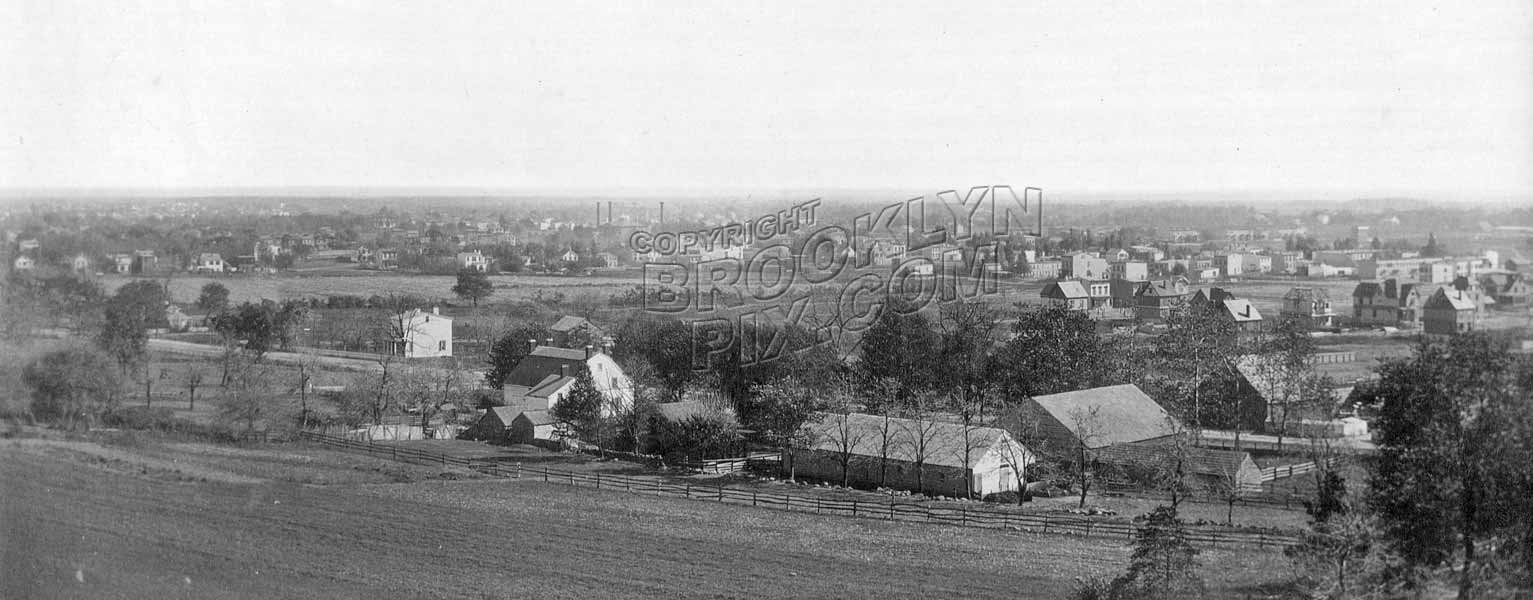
{"type": "Point", "coordinates": [473, 261]}
{"type": "Point", "coordinates": [1312, 304]}
{"type": "Point", "coordinates": [1448, 312]}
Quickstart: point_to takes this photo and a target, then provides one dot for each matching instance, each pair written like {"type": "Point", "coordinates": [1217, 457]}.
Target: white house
{"type": "Point", "coordinates": [474, 261]}
{"type": "Point", "coordinates": [423, 334]}
{"type": "Point", "coordinates": [545, 374]}
{"type": "Point", "coordinates": [209, 262]}
{"type": "Point", "coordinates": [570, 256]}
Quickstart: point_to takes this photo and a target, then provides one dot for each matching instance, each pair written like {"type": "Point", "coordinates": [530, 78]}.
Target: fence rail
{"type": "Point", "coordinates": [1279, 472]}
{"type": "Point", "coordinates": [892, 510]}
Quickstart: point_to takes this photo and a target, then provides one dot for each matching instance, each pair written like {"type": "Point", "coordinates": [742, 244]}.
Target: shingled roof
{"type": "Point", "coordinates": [544, 361]}
{"type": "Point", "coordinates": [1124, 414]}
{"type": "Point", "coordinates": [945, 441]}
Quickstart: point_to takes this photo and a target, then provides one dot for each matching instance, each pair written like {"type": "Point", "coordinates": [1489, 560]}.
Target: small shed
{"type": "Point", "coordinates": [532, 427]}
{"type": "Point", "coordinates": [494, 426]}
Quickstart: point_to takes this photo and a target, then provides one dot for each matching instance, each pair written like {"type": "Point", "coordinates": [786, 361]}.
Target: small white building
{"type": "Point", "coordinates": [473, 261]}
{"type": "Point", "coordinates": [209, 262]}
{"type": "Point", "coordinates": [423, 334]}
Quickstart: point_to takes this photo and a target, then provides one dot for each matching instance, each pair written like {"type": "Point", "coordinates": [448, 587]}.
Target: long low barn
{"type": "Point", "coordinates": [885, 452]}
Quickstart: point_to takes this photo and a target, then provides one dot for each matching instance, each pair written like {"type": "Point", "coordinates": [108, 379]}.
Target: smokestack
{"type": "Point", "coordinates": [609, 211]}
{"type": "Point", "coordinates": [662, 213]}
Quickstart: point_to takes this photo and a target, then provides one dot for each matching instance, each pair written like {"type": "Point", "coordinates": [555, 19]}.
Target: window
{"type": "Point", "coordinates": [441, 346]}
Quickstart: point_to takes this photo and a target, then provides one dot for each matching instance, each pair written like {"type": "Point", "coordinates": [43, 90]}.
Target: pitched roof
{"type": "Point", "coordinates": [550, 385]}
{"type": "Point", "coordinates": [1455, 300]}
{"type": "Point", "coordinates": [505, 413]}
{"type": "Point", "coordinates": [944, 446]}
{"type": "Point", "coordinates": [1263, 374]}
{"type": "Point", "coordinates": [1064, 289]}
{"type": "Point", "coordinates": [1368, 289]}
{"type": "Point", "coordinates": [537, 417]}
{"type": "Point", "coordinates": [1196, 461]}
{"type": "Point", "coordinates": [1307, 293]}
{"type": "Point", "coordinates": [544, 361]}
{"type": "Point", "coordinates": [1123, 414]}
{"type": "Point", "coordinates": [1166, 287]}
{"type": "Point", "coordinates": [1241, 310]}
{"type": "Point", "coordinates": [569, 323]}
{"type": "Point", "coordinates": [677, 412]}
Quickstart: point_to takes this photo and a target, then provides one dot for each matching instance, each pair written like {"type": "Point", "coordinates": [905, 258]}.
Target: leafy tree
{"type": "Point", "coordinates": [1163, 563]}
{"type": "Point", "coordinates": [581, 408]}
{"type": "Point", "coordinates": [214, 298]}
{"type": "Point", "coordinates": [898, 350]}
{"type": "Point", "coordinates": [780, 412]}
{"type": "Point", "coordinates": [71, 387]}
{"type": "Point", "coordinates": [264, 327]}
{"type": "Point", "coordinates": [473, 285]}
{"type": "Point", "coordinates": [1053, 351]}
{"type": "Point", "coordinates": [509, 350]}
{"type": "Point", "coordinates": [1450, 483]}
{"type": "Point", "coordinates": [1194, 368]}
{"type": "Point", "coordinates": [124, 333]}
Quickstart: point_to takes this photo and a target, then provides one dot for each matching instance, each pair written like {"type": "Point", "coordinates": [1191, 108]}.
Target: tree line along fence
{"type": "Point", "coordinates": [890, 510]}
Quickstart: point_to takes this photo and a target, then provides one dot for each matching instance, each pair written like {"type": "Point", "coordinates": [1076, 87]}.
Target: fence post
{"type": "Point", "coordinates": [721, 493]}
{"type": "Point", "coordinates": [816, 504]}
{"type": "Point", "coordinates": [545, 474]}
{"type": "Point", "coordinates": [689, 490]}
{"type": "Point", "coordinates": [598, 480]}
{"type": "Point", "coordinates": [753, 497]}
{"type": "Point", "coordinates": [854, 507]}
{"type": "Point", "coordinates": [963, 516]}
{"type": "Point", "coordinates": [891, 509]}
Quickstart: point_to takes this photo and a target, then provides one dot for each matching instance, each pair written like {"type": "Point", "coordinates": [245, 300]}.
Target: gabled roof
{"type": "Point", "coordinates": [1368, 289]}
{"type": "Point", "coordinates": [1067, 289]}
{"type": "Point", "coordinates": [1162, 288]}
{"type": "Point", "coordinates": [1124, 414]}
{"type": "Point", "coordinates": [411, 314]}
{"type": "Point", "coordinates": [544, 361]}
{"type": "Point", "coordinates": [676, 412]}
{"type": "Point", "coordinates": [1196, 461]}
{"type": "Point", "coordinates": [569, 323]}
{"type": "Point", "coordinates": [1307, 293]}
{"type": "Point", "coordinates": [1455, 300]}
{"type": "Point", "coordinates": [1241, 311]}
{"type": "Point", "coordinates": [505, 413]}
{"type": "Point", "coordinates": [537, 417]}
{"type": "Point", "coordinates": [1264, 376]}
{"type": "Point", "coordinates": [944, 447]}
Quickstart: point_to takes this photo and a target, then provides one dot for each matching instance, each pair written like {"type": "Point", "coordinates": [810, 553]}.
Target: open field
{"type": "Point", "coordinates": [70, 528]}
{"type": "Point", "coordinates": [185, 288]}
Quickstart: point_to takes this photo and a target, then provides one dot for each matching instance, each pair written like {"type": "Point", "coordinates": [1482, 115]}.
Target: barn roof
{"type": "Point", "coordinates": [1123, 414]}
{"type": "Point", "coordinates": [568, 323]}
{"type": "Point", "coordinates": [1196, 461]}
{"type": "Point", "coordinates": [537, 417]}
{"type": "Point", "coordinates": [544, 361]}
{"type": "Point", "coordinates": [1241, 310]}
{"type": "Point", "coordinates": [1064, 290]}
{"type": "Point", "coordinates": [1455, 300]}
{"type": "Point", "coordinates": [944, 447]}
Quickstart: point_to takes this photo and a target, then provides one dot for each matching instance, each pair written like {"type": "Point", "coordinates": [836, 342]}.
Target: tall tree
{"type": "Point", "coordinates": [473, 285]}
{"type": "Point", "coordinates": [581, 409]}
{"type": "Point", "coordinates": [1053, 350]}
{"type": "Point", "coordinates": [509, 350]}
{"type": "Point", "coordinates": [780, 413]}
{"type": "Point", "coordinates": [71, 387]}
{"type": "Point", "coordinates": [899, 349]}
{"type": "Point", "coordinates": [214, 298]}
{"type": "Point", "coordinates": [1450, 482]}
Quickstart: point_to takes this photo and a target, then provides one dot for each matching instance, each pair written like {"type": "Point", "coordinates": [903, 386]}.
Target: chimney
{"type": "Point", "coordinates": [1246, 311]}
{"type": "Point", "coordinates": [564, 370]}
{"type": "Point", "coordinates": [548, 342]}
{"type": "Point", "coordinates": [532, 345]}
{"type": "Point", "coordinates": [590, 351]}
{"type": "Point", "coordinates": [436, 310]}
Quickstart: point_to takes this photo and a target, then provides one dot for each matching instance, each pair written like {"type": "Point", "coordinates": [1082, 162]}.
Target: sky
{"type": "Point", "coordinates": [1365, 98]}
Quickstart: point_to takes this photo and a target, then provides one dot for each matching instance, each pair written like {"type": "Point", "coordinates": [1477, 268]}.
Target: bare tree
{"type": "Point", "coordinates": [918, 434]}
{"type": "Point", "coordinates": [842, 434]}
{"type": "Point", "coordinates": [1087, 425]}
{"type": "Point", "coordinates": [193, 381]}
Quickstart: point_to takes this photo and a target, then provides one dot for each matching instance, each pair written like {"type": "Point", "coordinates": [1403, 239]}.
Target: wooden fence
{"type": "Point", "coordinates": [891, 510]}
{"type": "Point", "coordinates": [1279, 472]}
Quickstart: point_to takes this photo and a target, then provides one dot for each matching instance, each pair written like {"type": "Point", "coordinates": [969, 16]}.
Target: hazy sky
{"type": "Point", "coordinates": [1340, 96]}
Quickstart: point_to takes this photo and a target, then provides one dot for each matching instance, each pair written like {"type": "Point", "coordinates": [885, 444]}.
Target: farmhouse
{"type": "Point", "coordinates": [542, 396]}
{"type": "Point", "coordinates": [535, 368]}
{"type": "Point", "coordinates": [1386, 303]}
{"type": "Point", "coordinates": [912, 454]}
{"type": "Point", "coordinates": [1068, 294]}
{"type": "Point", "coordinates": [473, 261]}
{"type": "Point", "coordinates": [1510, 290]}
{"type": "Point", "coordinates": [208, 262]}
{"type": "Point", "coordinates": [1266, 394]}
{"type": "Point", "coordinates": [423, 334]}
{"type": "Point", "coordinates": [1156, 299]}
{"type": "Point", "coordinates": [569, 330]}
{"type": "Point", "coordinates": [1448, 312]}
{"type": "Point", "coordinates": [1310, 304]}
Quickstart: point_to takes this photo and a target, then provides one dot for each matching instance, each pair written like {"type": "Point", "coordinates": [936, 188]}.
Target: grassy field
{"type": "Point", "coordinates": [185, 288]}
{"type": "Point", "coordinates": [71, 527]}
